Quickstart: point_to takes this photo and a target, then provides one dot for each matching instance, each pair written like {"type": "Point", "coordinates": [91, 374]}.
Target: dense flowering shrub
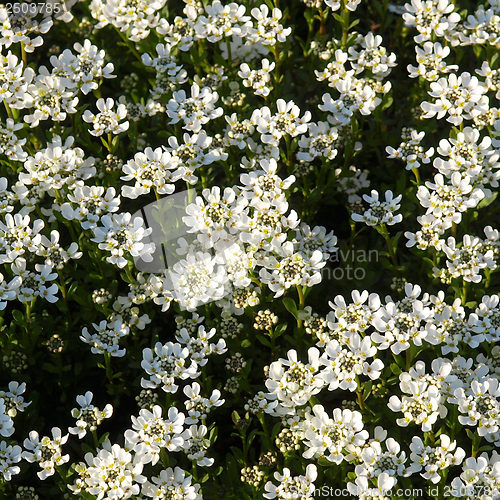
{"type": "Point", "coordinates": [249, 249]}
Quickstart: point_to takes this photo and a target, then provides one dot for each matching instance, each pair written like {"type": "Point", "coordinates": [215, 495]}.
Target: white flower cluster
{"type": "Point", "coordinates": [345, 347]}
{"type": "Point", "coordinates": [88, 416]}
{"type": "Point", "coordinates": [206, 102]}
{"type": "Point", "coordinates": [247, 227]}
{"type": "Point", "coordinates": [380, 212]}
{"type": "Point", "coordinates": [356, 94]}
{"type": "Point", "coordinates": [11, 402]}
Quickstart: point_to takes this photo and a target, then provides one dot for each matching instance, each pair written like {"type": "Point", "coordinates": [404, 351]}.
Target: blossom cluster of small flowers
{"type": "Point", "coordinates": [185, 188]}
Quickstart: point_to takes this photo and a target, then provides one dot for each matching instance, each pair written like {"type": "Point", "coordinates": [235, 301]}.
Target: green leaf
{"type": "Point", "coordinates": [487, 201]}
{"type": "Point", "coordinates": [324, 462]}
{"type": "Point", "coordinates": [103, 438]}
{"type": "Point", "coordinates": [367, 389]}
{"type": "Point", "coordinates": [213, 435]}
{"type": "Point", "coordinates": [291, 306]}
{"type": "Point", "coordinates": [354, 23]}
{"type": "Point", "coordinates": [263, 340]}
{"type": "Point", "coordinates": [387, 102]}
{"type": "Point", "coordinates": [252, 436]}
{"type": "Point", "coordinates": [280, 330]}
{"type": "Point", "coordinates": [395, 369]}
{"type": "Point", "coordinates": [18, 317]}
{"type": "Point", "coordinates": [276, 430]}
{"type": "Point", "coordinates": [494, 59]}
{"type": "Point", "coordinates": [470, 434]}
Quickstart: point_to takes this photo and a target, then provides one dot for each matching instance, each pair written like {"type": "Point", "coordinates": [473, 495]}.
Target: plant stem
{"type": "Point", "coordinates": [476, 440]}
{"type": "Point", "coordinates": [345, 26]}
{"type": "Point", "coordinates": [129, 45]}
{"type": "Point", "coordinates": [417, 175]}
{"type": "Point", "coordinates": [359, 392]}
{"type": "Point", "coordinates": [301, 304]}
{"type": "Point", "coordinates": [392, 251]}
{"type": "Point", "coordinates": [465, 287]}
{"type": "Point", "coordinates": [107, 363]}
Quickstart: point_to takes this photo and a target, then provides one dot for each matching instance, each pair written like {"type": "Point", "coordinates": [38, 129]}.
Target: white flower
{"type": "Point", "coordinates": [9, 455]}
{"type": "Point", "coordinates": [45, 451]}
{"type": "Point", "coordinates": [151, 433]}
{"type": "Point", "coordinates": [332, 438]}
{"type": "Point", "coordinates": [472, 157]}
{"type": "Point", "coordinates": [33, 283]}
{"type": "Point", "coordinates": [372, 56]}
{"type": "Point", "coordinates": [380, 212]}
{"type": "Point", "coordinates": [375, 461]}
{"type": "Point", "coordinates": [354, 317]}
{"type": "Point", "coordinates": [292, 487]}
{"type": "Point", "coordinates": [480, 27]}
{"type": "Point", "coordinates": [151, 169]}
{"type": "Point", "coordinates": [16, 235]}
{"type": "Point", "coordinates": [196, 110]}
{"type": "Point", "coordinates": [113, 473]}
{"type": "Point", "coordinates": [257, 79]}
{"type": "Point", "coordinates": [221, 21]}
{"type": "Point", "coordinates": [6, 422]}
{"type": "Point", "coordinates": [88, 416]}
{"type": "Point", "coordinates": [434, 459]}
{"type": "Point", "coordinates": [107, 121]}
{"type": "Point", "coordinates": [195, 151]}
{"type": "Point", "coordinates": [423, 406]}
{"type": "Point", "coordinates": [290, 268]}
{"type": "Point", "coordinates": [335, 70]}
{"type": "Point", "coordinates": [13, 399]}
{"type": "Point", "coordinates": [197, 445]}
{"type": "Point", "coordinates": [446, 201]}
{"type": "Point", "coordinates": [285, 121]}
{"type": "Point", "coordinates": [106, 337]}
{"type": "Point", "coordinates": [173, 483]}
{"type": "Point", "coordinates": [364, 490]}
{"type": "Point", "coordinates": [430, 59]}
{"type": "Point", "coordinates": [88, 203]}
{"type": "Point", "coordinates": [120, 235]}
{"type": "Point", "coordinates": [197, 279]}
{"type": "Point", "coordinates": [198, 344]}
{"type": "Point", "coordinates": [56, 166]}
{"type": "Point", "coordinates": [166, 363]}
{"type": "Point", "coordinates": [135, 20]}
{"type": "Point", "coordinates": [322, 141]}
{"type": "Point", "coordinates": [50, 98]}
{"type": "Point", "coordinates": [430, 17]}
{"type": "Point", "coordinates": [410, 150]}
{"type": "Point", "coordinates": [197, 406]}
{"type": "Point", "coordinates": [83, 70]}
{"type": "Point", "coordinates": [269, 29]}
{"type": "Point", "coordinates": [481, 472]}
{"type": "Point", "coordinates": [488, 313]}
{"type": "Point", "coordinates": [343, 365]}
{"type": "Point", "coordinates": [480, 406]}
{"type": "Point", "coordinates": [355, 95]}
{"type": "Point", "coordinates": [351, 5]}
{"type": "Point", "coordinates": [459, 97]}
{"type": "Point", "coordinates": [467, 260]}
{"type": "Point", "coordinates": [294, 382]}
{"type": "Point", "coordinates": [10, 145]}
